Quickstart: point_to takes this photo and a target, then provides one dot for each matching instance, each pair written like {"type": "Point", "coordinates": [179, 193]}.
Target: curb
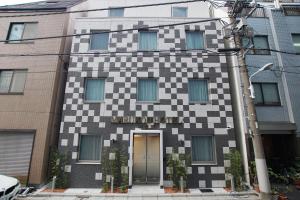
{"type": "Point", "coordinates": [237, 194]}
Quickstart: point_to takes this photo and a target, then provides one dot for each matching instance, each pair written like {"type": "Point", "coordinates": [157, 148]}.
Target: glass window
{"type": "Point", "coordinates": [116, 12]}
{"type": "Point", "coordinates": [94, 90]}
{"type": "Point", "coordinates": [179, 12]}
{"type": "Point", "coordinates": [19, 31]}
{"type": "Point", "coordinates": [12, 81]}
{"type": "Point", "coordinates": [203, 149]}
{"type": "Point", "coordinates": [147, 40]}
{"type": "Point", "coordinates": [266, 94]}
{"type": "Point", "coordinates": [147, 90]}
{"type": "Point", "coordinates": [259, 42]}
{"type": "Point", "coordinates": [99, 41]}
{"type": "Point", "coordinates": [194, 40]}
{"type": "Point", "coordinates": [90, 147]}
{"type": "Point", "coordinates": [296, 42]}
{"type": "Point", "coordinates": [198, 90]}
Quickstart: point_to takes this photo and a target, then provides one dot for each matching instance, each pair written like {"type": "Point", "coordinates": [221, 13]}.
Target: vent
{"type": "Point", "coordinates": [206, 190]}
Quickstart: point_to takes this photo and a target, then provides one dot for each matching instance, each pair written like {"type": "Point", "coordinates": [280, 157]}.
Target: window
{"type": "Point", "coordinates": [179, 12]}
{"type": "Point", "coordinates": [194, 40]}
{"type": "Point", "coordinates": [203, 149]}
{"type": "Point", "coordinates": [19, 31]}
{"type": "Point", "coordinates": [198, 90]}
{"type": "Point", "coordinates": [90, 148]}
{"type": "Point", "coordinates": [94, 90]}
{"type": "Point", "coordinates": [12, 81]}
{"type": "Point", "coordinates": [99, 40]}
{"type": "Point", "coordinates": [147, 40]}
{"type": "Point", "coordinates": [116, 12]}
{"type": "Point", "coordinates": [296, 42]}
{"type": "Point", "coordinates": [147, 90]}
{"type": "Point", "coordinates": [259, 42]}
{"type": "Point", "coordinates": [266, 94]}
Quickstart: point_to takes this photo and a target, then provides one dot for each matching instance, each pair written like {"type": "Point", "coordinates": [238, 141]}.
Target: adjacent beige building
{"type": "Point", "coordinates": [31, 87]}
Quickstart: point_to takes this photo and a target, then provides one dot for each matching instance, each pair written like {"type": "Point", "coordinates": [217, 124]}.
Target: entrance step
{"type": "Point", "coordinates": [146, 189]}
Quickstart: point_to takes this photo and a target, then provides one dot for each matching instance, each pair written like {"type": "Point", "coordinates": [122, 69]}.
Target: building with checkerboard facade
{"type": "Point", "coordinates": [146, 93]}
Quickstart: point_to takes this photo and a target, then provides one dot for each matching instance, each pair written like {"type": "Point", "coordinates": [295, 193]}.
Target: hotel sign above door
{"type": "Point", "coordinates": [145, 120]}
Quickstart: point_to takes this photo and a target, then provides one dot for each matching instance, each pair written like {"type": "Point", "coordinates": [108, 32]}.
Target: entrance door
{"type": "Point", "coordinates": [146, 166]}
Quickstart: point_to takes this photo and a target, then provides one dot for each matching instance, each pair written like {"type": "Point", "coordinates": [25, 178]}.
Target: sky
{"type": "Point", "coordinates": [10, 2]}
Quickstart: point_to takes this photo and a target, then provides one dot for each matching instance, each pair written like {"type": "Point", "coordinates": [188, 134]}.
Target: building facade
{"type": "Point", "coordinates": [276, 94]}
{"type": "Point", "coordinates": [31, 87]}
{"type": "Point", "coordinates": [145, 94]}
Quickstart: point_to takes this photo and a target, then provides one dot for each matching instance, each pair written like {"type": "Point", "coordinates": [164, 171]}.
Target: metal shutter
{"type": "Point", "coordinates": [15, 153]}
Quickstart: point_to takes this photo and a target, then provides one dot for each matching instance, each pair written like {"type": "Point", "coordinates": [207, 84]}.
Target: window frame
{"type": "Point", "coordinates": [214, 151]}
{"type": "Point", "coordinates": [172, 11]}
{"type": "Point", "coordinates": [208, 91]}
{"type": "Point", "coordinates": [79, 148]}
{"type": "Point", "coordinates": [295, 34]}
{"type": "Point", "coordinates": [256, 51]}
{"type": "Point", "coordinates": [90, 41]}
{"type": "Point", "coordinates": [19, 42]}
{"type": "Point", "coordinates": [85, 89]}
{"type": "Point", "coordinates": [157, 91]}
{"type": "Point", "coordinates": [139, 39]}
{"type": "Point", "coordinates": [203, 36]}
{"type": "Point", "coordinates": [11, 81]}
{"type": "Point", "coordinates": [261, 90]}
{"type": "Point", "coordinates": [111, 8]}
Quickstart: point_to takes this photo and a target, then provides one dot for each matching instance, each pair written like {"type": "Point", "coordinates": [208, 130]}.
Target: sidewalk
{"type": "Point", "coordinates": [141, 193]}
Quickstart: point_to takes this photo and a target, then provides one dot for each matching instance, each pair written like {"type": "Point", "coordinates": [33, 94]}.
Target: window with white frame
{"type": "Point", "coordinates": [116, 12]}
{"type": "Point", "coordinates": [194, 40]}
{"type": "Point", "coordinates": [198, 90]}
{"type": "Point", "coordinates": [296, 42]}
{"type": "Point", "coordinates": [266, 94]}
{"type": "Point", "coordinates": [99, 40]}
{"type": "Point", "coordinates": [90, 148]}
{"type": "Point", "coordinates": [203, 149]}
{"type": "Point", "coordinates": [12, 81]}
{"type": "Point", "coordinates": [147, 40]}
{"type": "Point", "coordinates": [21, 30]}
{"type": "Point", "coordinates": [147, 90]}
{"type": "Point", "coordinates": [94, 89]}
{"type": "Point", "coordinates": [179, 11]}
{"type": "Point", "coordinates": [260, 42]}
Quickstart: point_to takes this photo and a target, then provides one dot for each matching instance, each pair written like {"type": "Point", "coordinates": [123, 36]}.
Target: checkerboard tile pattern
{"type": "Point", "coordinates": [172, 71]}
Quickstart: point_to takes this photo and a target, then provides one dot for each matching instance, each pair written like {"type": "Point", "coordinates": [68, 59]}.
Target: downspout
{"type": "Point", "coordinates": [238, 106]}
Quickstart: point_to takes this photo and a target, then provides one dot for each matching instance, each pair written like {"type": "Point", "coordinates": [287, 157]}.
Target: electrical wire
{"type": "Point", "coordinates": [101, 9]}
{"type": "Point", "coordinates": [113, 31]}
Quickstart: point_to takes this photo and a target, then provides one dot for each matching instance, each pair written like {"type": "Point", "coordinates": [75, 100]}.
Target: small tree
{"type": "Point", "coordinates": [57, 162]}
{"type": "Point", "coordinates": [236, 169]}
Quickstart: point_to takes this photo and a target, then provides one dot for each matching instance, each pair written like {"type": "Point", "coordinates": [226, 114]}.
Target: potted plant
{"type": "Point", "coordinates": [235, 169]}
{"type": "Point", "coordinates": [253, 176]}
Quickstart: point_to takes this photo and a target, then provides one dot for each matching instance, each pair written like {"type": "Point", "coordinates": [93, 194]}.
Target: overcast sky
{"type": "Point", "coordinates": [10, 2]}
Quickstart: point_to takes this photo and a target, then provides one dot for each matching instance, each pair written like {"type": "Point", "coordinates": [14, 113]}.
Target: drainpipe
{"type": "Point", "coordinates": [237, 97]}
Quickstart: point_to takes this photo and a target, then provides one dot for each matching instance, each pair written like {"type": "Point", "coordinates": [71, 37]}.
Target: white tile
{"type": "Point", "coordinates": [67, 168]}
{"type": "Point", "coordinates": [202, 184]}
{"type": "Point", "coordinates": [74, 155]}
{"type": "Point", "coordinates": [64, 142]}
{"type": "Point", "coordinates": [218, 183]}
{"type": "Point", "coordinates": [98, 176]}
{"type": "Point", "coordinates": [201, 170]}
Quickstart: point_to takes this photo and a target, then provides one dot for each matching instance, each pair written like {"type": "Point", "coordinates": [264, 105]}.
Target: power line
{"type": "Point", "coordinates": [159, 53]}
{"type": "Point", "coordinates": [114, 31]}
{"type": "Point", "coordinates": [102, 9]}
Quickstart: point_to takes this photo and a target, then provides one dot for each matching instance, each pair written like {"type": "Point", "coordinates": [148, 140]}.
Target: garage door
{"type": "Point", "coordinates": [15, 153]}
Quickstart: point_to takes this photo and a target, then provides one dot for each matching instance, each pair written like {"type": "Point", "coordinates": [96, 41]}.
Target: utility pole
{"type": "Point", "coordinates": [241, 29]}
{"type": "Point", "coordinates": [260, 161]}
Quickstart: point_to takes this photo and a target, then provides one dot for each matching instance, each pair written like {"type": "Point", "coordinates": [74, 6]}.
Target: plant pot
{"type": "Point", "coordinates": [297, 184]}
{"type": "Point", "coordinates": [228, 189]}
{"type": "Point", "coordinates": [256, 188]}
{"type": "Point", "coordinates": [282, 197]}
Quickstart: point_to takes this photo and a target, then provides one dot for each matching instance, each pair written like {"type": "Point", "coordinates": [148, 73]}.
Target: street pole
{"type": "Point", "coordinates": [260, 161]}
